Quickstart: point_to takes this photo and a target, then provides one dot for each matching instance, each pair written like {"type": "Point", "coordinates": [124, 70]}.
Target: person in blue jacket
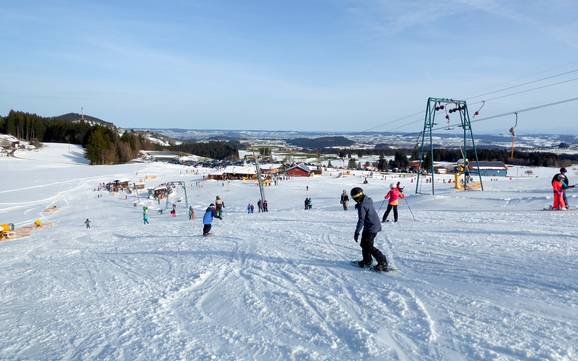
{"type": "Point", "coordinates": [210, 213]}
{"type": "Point", "coordinates": [368, 221]}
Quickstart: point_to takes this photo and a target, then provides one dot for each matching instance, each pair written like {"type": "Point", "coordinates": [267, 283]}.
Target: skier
{"type": "Point", "coordinates": [260, 205]}
{"type": "Point", "coordinates": [368, 220]}
{"type": "Point", "coordinates": [252, 208]}
{"type": "Point", "coordinates": [249, 208]}
{"type": "Point", "coordinates": [344, 200]}
{"type": "Point", "coordinates": [210, 213]}
{"type": "Point", "coordinates": [87, 222]}
{"type": "Point", "coordinates": [219, 204]}
{"type": "Point", "coordinates": [191, 213]}
{"type": "Point", "coordinates": [265, 206]}
{"type": "Point", "coordinates": [393, 195]}
{"type": "Point", "coordinates": [557, 186]}
{"type": "Point", "coordinates": [145, 215]}
{"type": "Point", "coordinates": [565, 184]}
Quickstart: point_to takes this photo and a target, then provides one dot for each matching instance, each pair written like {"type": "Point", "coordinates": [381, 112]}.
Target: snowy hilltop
{"type": "Point", "coordinates": [482, 275]}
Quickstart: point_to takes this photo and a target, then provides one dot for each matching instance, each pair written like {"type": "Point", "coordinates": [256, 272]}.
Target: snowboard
{"type": "Point", "coordinates": [373, 268]}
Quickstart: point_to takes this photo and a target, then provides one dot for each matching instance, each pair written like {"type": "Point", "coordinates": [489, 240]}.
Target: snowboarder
{"type": "Point", "coordinates": [219, 205]}
{"type": "Point", "coordinates": [368, 220]}
{"type": "Point", "coordinates": [557, 186]}
{"type": "Point", "coordinates": [393, 195]}
{"type": "Point", "coordinates": [210, 213]}
{"type": "Point", "coordinates": [145, 215]}
{"type": "Point", "coordinates": [344, 200]}
{"type": "Point", "coordinates": [87, 223]}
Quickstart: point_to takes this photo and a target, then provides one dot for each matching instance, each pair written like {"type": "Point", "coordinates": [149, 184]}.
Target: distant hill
{"type": "Point", "coordinates": [322, 142]}
{"type": "Point", "coordinates": [77, 118]}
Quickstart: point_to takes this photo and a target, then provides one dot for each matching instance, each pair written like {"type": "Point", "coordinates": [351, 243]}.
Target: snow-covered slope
{"type": "Point", "coordinates": [483, 275]}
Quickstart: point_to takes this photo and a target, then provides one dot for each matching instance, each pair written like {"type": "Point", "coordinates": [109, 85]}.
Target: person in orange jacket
{"type": "Point", "coordinates": [558, 187]}
{"type": "Point", "coordinates": [393, 195]}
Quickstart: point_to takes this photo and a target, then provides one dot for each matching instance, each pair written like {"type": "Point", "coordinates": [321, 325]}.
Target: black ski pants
{"type": "Point", "coordinates": [368, 250]}
{"type": "Point", "coordinates": [206, 229]}
{"type": "Point", "coordinates": [389, 208]}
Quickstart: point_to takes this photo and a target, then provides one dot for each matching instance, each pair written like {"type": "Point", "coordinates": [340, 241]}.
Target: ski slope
{"type": "Point", "coordinates": [484, 276]}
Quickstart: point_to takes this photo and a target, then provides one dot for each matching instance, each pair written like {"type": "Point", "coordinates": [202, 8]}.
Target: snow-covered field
{"type": "Point", "coordinates": [484, 276]}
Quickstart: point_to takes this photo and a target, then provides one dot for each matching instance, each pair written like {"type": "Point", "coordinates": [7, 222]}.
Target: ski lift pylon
{"type": "Point", "coordinates": [513, 133]}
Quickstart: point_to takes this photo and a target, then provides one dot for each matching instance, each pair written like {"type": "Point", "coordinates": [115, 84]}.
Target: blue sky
{"type": "Point", "coordinates": [286, 65]}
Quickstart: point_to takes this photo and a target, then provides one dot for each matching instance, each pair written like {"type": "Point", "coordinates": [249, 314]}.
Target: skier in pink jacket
{"type": "Point", "coordinates": [393, 195]}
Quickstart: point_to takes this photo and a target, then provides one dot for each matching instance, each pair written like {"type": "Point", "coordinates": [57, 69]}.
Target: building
{"type": "Point", "coordinates": [489, 169]}
{"type": "Point", "coordinates": [300, 170]}
{"type": "Point", "coordinates": [234, 173]}
{"type": "Point", "coordinates": [160, 156]}
{"type": "Point", "coordinates": [270, 168]}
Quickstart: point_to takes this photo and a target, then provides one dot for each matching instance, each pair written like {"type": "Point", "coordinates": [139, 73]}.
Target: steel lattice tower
{"type": "Point", "coordinates": [454, 106]}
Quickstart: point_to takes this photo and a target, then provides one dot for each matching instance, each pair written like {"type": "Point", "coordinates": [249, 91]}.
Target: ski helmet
{"type": "Point", "coordinates": [356, 193]}
{"type": "Point", "coordinates": [563, 170]}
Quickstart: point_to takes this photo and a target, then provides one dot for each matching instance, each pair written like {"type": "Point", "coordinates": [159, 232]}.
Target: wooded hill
{"type": "Point", "coordinates": [103, 144]}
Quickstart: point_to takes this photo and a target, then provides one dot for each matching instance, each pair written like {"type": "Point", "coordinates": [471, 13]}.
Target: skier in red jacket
{"type": "Point", "coordinates": [558, 187]}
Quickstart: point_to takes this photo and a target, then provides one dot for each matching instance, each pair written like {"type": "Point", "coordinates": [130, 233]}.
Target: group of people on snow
{"type": "Point", "coordinates": [263, 205]}
{"type": "Point", "coordinates": [560, 184]}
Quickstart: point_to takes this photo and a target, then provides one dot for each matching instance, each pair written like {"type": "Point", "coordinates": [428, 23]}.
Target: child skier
{"type": "Point", "coordinates": [219, 204]}
{"type": "Point", "coordinates": [565, 185]}
{"type": "Point", "coordinates": [393, 195]}
{"type": "Point", "coordinates": [210, 213]}
{"type": "Point", "coordinates": [558, 187]}
{"type": "Point", "coordinates": [368, 220]}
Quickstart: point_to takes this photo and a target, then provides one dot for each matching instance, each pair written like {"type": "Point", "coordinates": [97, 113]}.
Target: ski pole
{"type": "Point", "coordinates": [410, 211]}
{"type": "Point", "coordinates": [380, 206]}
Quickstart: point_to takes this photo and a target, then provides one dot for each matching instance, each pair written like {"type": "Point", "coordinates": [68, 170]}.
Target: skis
{"type": "Point", "coordinates": [560, 210]}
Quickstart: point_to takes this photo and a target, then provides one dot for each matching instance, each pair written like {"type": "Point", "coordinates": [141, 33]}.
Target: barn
{"type": "Point", "coordinates": [300, 170]}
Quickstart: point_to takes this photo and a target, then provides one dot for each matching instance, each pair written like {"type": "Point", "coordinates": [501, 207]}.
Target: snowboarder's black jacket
{"type": "Point", "coordinates": [367, 217]}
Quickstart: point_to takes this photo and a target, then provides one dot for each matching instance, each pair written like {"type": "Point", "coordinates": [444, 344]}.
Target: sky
{"type": "Point", "coordinates": [313, 65]}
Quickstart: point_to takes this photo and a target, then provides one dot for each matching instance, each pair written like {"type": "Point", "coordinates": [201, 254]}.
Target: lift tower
{"type": "Point", "coordinates": [469, 147]}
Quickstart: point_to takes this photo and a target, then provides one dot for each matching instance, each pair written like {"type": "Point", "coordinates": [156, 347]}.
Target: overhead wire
{"type": "Point", "coordinates": [491, 99]}
{"type": "Point", "coordinates": [514, 112]}
{"type": "Point", "coordinates": [395, 120]}
{"type": "Point", "coordinates": [569, 100]}
{"type": "Point", "coordinates": [523, 84]}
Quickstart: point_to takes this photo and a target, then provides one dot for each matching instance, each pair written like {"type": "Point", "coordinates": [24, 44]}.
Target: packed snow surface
{"type": "Point", "coordinates": [483, 275]}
